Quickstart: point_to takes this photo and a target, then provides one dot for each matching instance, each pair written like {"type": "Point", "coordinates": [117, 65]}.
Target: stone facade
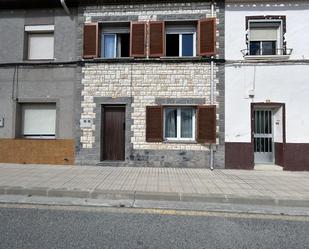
{"type": "Point", "coordinates": [137, 83]}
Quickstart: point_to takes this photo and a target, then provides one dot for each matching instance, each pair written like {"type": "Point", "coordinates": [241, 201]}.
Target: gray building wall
{"type": "Point", "coordinates": [20, 83]}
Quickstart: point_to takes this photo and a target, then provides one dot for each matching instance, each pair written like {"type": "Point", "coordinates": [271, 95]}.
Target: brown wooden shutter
{"type": "Point", "coordinates": [154, 123]}
{"type": "Point", "coordinates": [91, 40]}
{"type": "Point", "coordinates": [156, 39]}
{"type": "Point", "coordinates": [207, 36]}
{"type": "Point", "coordinates": [206, 124]}
{"type": "Point", "coordinates": [138, 39]}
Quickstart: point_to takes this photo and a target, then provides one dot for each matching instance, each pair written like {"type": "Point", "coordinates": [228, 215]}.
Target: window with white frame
{"type": "Point", "coordinates": [180, 40]}
{"type": "Point", "coordinates": [115, 40]}
{"type": "Point", "coordinates": [38, 120]}
{"type": "Point", "coordinates": [40, 42]}
{"type": "Point", "coordinates": [179, 123]}
{"type": "Point", "coordinates": [265, 37]}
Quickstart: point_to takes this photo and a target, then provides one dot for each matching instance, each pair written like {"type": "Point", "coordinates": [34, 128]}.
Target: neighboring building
{"type": "Point", "coordinates": [153, 83]}
{"type": "Point", "coordinates": [266, 84]}
{"type": "Point", "coordinates": [37, 82]}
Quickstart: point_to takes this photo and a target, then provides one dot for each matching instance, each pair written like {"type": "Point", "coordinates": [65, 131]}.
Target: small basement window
{"type": "Point", "coordinates": [40, 42]}
{"type": "Point", "coordinates": [179, 123]}
{"type": "Point", "coordinates": [180, 40]}
{"type": "Point", "coordinates": [115, 40]}
{"type": "Point", "coordinates": [38, 120]}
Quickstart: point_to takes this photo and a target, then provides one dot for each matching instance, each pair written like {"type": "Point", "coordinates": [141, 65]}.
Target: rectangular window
{"type": "Point", "coordinates": [40, 42]}
{"type": "Point", "coordinates": [180, 40]}
{"type": "Point", "coordinates": [38, 120]}
{"type": "Point", "coordinates": [265, 37]}
{"type": "Point", "coordinates": [179, 123]}
{"type": "Point", "coordinates": [115, 41]}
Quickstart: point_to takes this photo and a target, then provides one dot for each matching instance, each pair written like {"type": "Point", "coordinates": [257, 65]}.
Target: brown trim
{"type": "Point", "coordinates": [199, 33]}
{"type": "Point", "coordinates": [37, 151]}
{"type": "Point", "coordinates": [279, 154]}
{"type": "Point", "coordinates": [296, 157]}
{"type": "Point", "coordinates": [163, 39]}
{"type": "Point", "coordinates": [239, 156]}
{"type": "Point", "coordinates": [131, 39]}
{"type": "Point", "coordinates": [154, 123]}
{"type": "Point", "coordinates": [206, 124]}
{"type": "Point", "coordinates": [271, 105]}
{"type": "Point", "coordinates": [87, 44]}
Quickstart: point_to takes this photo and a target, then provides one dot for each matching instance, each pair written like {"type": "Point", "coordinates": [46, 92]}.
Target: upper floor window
{"type": "Point", "coordinates": [180, 40]}
{"type": "Point", "coordinates": [115, 40]}
{"type": "Point", "coordinates": [39, 42]}
{"type": "Point", "coordinates": [150, 39]}
{"type": "Point", "coordinates": [265, 37]}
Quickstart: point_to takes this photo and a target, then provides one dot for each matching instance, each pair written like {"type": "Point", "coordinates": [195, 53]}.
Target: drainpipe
{"type": "Point", "coordinates": [212, 92]}
{"type": "Point", "coordinates": [65, 7]}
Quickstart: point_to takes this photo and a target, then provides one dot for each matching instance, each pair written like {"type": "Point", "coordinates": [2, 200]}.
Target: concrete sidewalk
{"type": "Point", "coordinates": [278, 188]}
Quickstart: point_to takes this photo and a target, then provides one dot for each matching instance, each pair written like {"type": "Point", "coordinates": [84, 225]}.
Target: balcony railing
{"type": "Point", "coordinates": [280, 52]}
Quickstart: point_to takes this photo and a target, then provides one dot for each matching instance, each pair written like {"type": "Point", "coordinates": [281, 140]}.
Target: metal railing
{"type": "Point", "coordinates": [274, 52]}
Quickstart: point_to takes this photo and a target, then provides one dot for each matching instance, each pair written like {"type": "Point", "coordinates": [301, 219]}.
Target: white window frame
{"type": "Point", "coordinates": [39, 29]}
{"type": "Point", "coordinates": [279, 40]}
{"type": "Point", "coordinates": [180, 33]}
{"type": "Point", "coordinates": [178, 136]}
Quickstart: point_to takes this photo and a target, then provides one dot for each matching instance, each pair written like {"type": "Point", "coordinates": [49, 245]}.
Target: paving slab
{"type": "Point", "coordinates": [279, 188]}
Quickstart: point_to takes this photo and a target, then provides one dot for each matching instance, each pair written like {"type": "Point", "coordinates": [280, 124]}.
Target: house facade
{"type": "Point", "coordinates": [203, 84]}
{"type": "Point", "coordinates": [37, 83]}
{"type": "Point", "coordinates": [266, 84]}
{"type": "Point", "coordinates": [152, 84]}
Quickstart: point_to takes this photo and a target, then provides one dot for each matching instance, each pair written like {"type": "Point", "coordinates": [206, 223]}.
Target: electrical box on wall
{"type": "Point", "coordinates": [85, 123]}
{"type": "Point", "coordinates": [1, 122]}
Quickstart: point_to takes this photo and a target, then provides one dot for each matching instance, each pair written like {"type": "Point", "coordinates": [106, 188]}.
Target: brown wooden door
{"type": "Point", "coordinates": [113, 133]}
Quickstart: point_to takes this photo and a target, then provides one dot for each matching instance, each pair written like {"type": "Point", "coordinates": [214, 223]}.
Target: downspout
{"type": "Point", "coordinates": [65, 7]}
{"type": "Point", "coordinates": [212, 92]}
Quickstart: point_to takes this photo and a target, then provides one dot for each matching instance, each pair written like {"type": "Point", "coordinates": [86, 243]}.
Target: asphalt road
{"type": "Point", "coordinates": [28, 226]}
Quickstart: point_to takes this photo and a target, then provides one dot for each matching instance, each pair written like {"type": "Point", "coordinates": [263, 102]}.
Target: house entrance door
{"type": "Point", "coordinates": [113, 133]}
{"type": "Point", "coordinates": [263, 136]}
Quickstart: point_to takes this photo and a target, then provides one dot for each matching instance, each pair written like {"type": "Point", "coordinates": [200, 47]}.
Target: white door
{"type": "Point", "coordinates": [263, 136]}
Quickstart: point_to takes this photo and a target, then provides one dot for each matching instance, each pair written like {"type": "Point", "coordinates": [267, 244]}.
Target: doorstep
{"type": "Point", "coordinates": [267, 167]}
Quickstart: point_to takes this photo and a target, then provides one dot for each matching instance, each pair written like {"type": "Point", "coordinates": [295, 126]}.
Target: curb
{"type": "Point", "coordinates": [153, 196]}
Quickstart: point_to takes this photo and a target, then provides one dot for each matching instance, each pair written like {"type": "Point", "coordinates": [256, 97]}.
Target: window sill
{"type": "Point", "coordinates": [39, 60]}
{"type": "Point", "coordinates": [266, 57]}
{"type": "Point", "coordinates": [179, 142]}
{"type": "Point", "coordinates": [151, 59]}
{"type": "Point", "coordinates": [36, 138]}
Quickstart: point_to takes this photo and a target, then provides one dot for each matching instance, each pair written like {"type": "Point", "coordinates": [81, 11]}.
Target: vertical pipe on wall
{"type": "Point", "coordinates": [212, 92]}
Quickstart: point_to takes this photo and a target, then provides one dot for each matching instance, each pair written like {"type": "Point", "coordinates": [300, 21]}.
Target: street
{"type": "Point", "coordinates": [39, 226]}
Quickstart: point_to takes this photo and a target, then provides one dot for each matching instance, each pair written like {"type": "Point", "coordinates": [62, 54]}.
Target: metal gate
{"type": "Point", "coordinates": [263, 136]}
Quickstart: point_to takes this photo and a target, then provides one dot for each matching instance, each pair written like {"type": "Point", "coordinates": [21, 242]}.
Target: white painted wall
{"type": "Point", "coordinates": [287, 84]}
{"type": "Point", "coordinates": [276, 82]}
{"type": "Point", "coordinates": [297, 25]}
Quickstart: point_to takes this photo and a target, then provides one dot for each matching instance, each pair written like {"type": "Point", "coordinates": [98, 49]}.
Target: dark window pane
{"type": "Point", "coordinates": [171, 122]}
{"type": "Point", "coordinates": [187, 45]}
{"type": "Point", "coordinates": [125, 45]}
{"type": "Point", "coordinates": [172, 45]}
{"type": "Point", "coordinates": [268, 47]}
{"type": "Point", "coordinates": [255, 48]}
